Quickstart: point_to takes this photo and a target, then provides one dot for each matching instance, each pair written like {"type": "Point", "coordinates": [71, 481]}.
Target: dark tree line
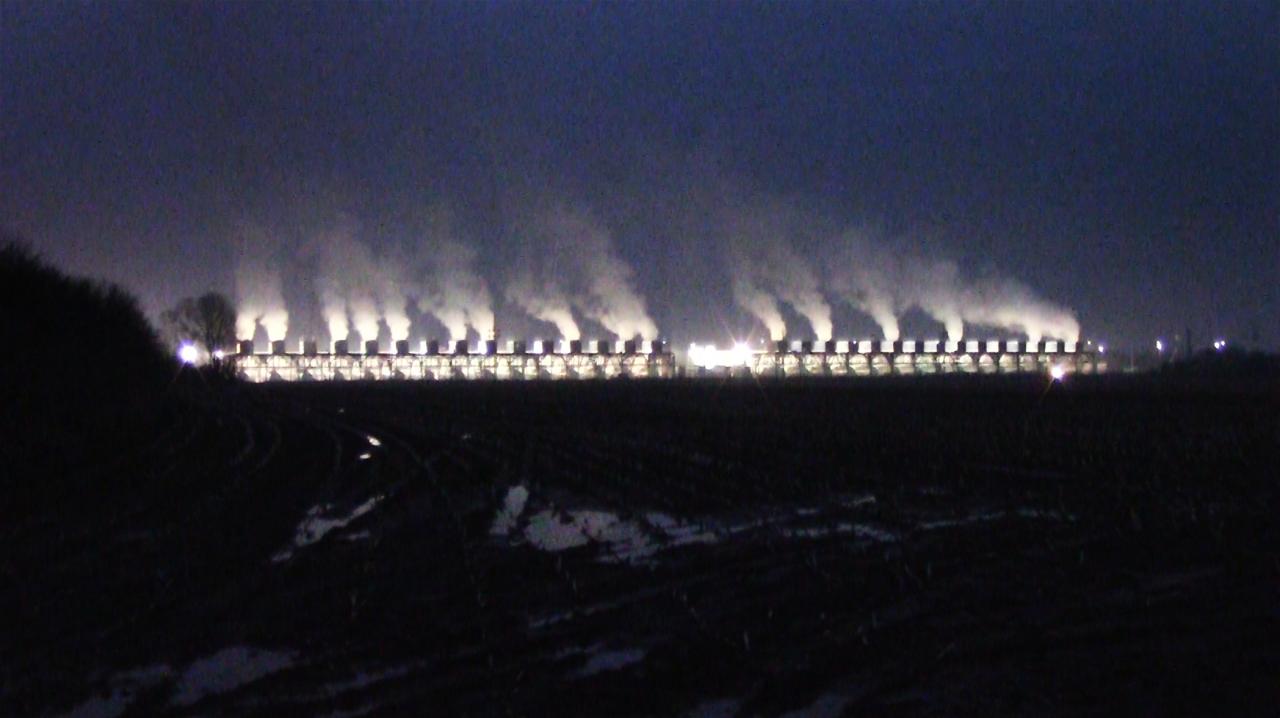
{"type": "Point", "coordinates": [82, 372]}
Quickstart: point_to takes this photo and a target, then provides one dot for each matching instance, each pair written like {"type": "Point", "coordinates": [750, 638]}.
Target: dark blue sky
{"type": "Point", "coordinates": [1120, 158]}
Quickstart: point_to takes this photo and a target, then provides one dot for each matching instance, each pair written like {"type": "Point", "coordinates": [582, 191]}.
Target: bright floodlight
{"type": "Point", "coordinates": [1057, 372]}
{"type": "Point", "coordinates": [188, 353]}
{"type": "Point", "coordinates": [1159, 345]}
{"type": "Point", "coordinates": [709, 357]}
{"type": "Point", "coordinates": [218, 354]}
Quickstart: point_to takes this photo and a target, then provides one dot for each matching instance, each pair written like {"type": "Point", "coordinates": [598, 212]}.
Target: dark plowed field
{"type": "Point", "coordinates": [964, 546]}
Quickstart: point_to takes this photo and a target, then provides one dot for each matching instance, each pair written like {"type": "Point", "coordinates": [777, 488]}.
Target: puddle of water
{"type": "Point", "coordinates": [226, 671]}
{"type": "Point", "coordinates": [316, 525]}
{"type": "Point", "coordinates": [509, 514]}
{"type": "Point", "coordinates": [603, 661]}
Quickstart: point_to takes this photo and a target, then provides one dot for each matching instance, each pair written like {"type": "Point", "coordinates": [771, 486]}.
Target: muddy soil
{"type": "Point", "coordinates": [966, 546]}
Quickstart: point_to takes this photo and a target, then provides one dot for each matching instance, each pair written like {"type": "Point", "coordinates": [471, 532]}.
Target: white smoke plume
{"type": "Point", "coordinates": [450, 289]}
{"type": "Point", "coordinates": [868, 278]}
{"type": "Point", "coordinates": [934, 286]}
{"type": "Point", "coordinates": [330, 290]}
{"type": "Point", "coordinates": [766, 269]}
{"type": "Point", "coordinates": [796, 285]}
{"type": "Point", "coordinates": [259, 289]}
{"type": "Point", "coordinates": [570, 263]}
{"type": "Point", "coordinates": [885, 283]}
{"type": "Point", "coordinates": [1008, 304]}
{"type": "Point", "coordinates": [547, 303]}
{"type": "Point", "coordinates": [354, 289]}
{"type": "Point", "coordinates": [760, 304]}
{"type": "Point", "coordinates": [607, 292]}
{"type": "Point", "coordinates": [390, 294]}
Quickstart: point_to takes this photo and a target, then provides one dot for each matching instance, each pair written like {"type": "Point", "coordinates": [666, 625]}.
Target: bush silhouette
{"type": "Point", "coordinates": [82, 376]}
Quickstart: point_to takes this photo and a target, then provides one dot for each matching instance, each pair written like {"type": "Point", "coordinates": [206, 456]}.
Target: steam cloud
{"type": "Point", "coordinates": [885, 284]}
{"type": "Point", "coordinates": [259, 288]}
{"type": "Point", "coordinates": [759, 303]}
{"type": "Point", "coordinates": [566, 269]}
{"type": "Point", "coordinates": [547, 303]}
{"type": "Point", "coordinates": [358, 288]}
{"type": "Point", "coordinates": [452, 291]}
{"type": "Point", "coordinates": [571, 263]}
{"type": "Point", "coordinates": [766, 269]}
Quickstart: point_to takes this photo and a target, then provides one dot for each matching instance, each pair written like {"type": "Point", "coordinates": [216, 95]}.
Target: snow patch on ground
{"type": "Point", "coordinates": [678, 533]}
{"type": "Point", "coordinates": [316, 525]}
{"type": "Point", "coordinates": [831, 705]}
{"type": "Point", "coordinates": [549, 531]}
{"type": "Point", "coordinates": [222, 672]}
{"type": "Point", "coordinates": [1030, 513]}
{"type": "Point", "coordinates": [874, 534]}
{"type": "Point", "coordinates": [624, 541]}
{"type": "Point", "coordinates": [226, 671]}
{"type": "Point", "coordinates": [862, 531]}
{"type": "Point", "coordinates": [621, 540]}
{"type": "Point", "coordinates": [961, 521]}
{"type": "Point", "coordinates": [602, 661]}
{"type": "Point", "coordinates": [723, 708]}
{"type": "Point", "coordinates": [509, 514]}
{"type": "Point", "coordinates": [853, 502]}
{"type": "Point", "coordinates": [363, 679]}
{"type": "Point", "coordinates": [984, 516]}
{"type": "Point", "coordinates": [123, 688]}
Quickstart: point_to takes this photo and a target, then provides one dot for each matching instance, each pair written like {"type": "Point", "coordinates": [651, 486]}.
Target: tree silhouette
{"type": "Point", "coordinates": [208, 320]}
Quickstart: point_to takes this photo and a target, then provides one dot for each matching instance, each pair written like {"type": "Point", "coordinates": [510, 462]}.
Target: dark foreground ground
{"type": "Point", "coordinates": [959, 547]}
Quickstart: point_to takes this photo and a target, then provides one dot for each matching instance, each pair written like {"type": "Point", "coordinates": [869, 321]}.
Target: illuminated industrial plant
{"type": "Point", "coordinates": [592, 359]}
{"type": "Point", "coordinates": [512, 360]}
{"type": "Point", "coordinates": [902, 358]}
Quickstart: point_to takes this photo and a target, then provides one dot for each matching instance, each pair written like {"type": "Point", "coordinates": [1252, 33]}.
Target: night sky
{"type": "Point", "coordinates": [1121, 159]}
